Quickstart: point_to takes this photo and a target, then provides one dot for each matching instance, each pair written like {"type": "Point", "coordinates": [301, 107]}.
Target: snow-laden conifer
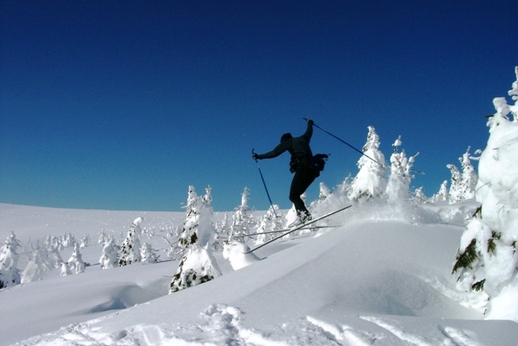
{"type": "Point", "coordinates": [242, 220]}
{"type": "Point", "coordinates": [369, 182]}
{"type": "Point", "coordinates": [37, 266]}
{"type": "Point", "coordinates": [270, 221]}
{"type": "Point", "coordinates": [442, 195]}
{"type": "Point", "coordinates": [469, 178]}
{"type": "Point", "coordinates": [9, 273]}
{"type": "Point", "coordinates": [455, 186]}
{"type": "Point", "coordinates": [110, 257]}
{"type": "Point", "coordinates": [148, 254]}
{"type": "Point", "coordinates": [130, 249]}
{"type": "Point", "coordinates": [75, 262]}
{"type": "Point", "coordinates": [463, 182]}
{"type": "Point", "coordinates": [487, 258]}
{"type": "Point", "coordinates": [197, 264]}
{"type": "Point", "coordinates": [400, 175]}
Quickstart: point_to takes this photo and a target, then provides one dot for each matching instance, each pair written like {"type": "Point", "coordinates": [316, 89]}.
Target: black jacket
{"type": "Point", "coordinates": [298, 147]}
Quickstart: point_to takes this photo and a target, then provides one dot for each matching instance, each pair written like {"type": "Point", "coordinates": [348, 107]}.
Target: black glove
{"type": "Point", "coordinates": [311, 122]}
{"type": "Point", "coordinates": [254, 156]}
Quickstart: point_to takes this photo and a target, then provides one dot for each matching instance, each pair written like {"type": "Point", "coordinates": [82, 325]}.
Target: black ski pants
{"type": "Point", "coordinates": [301, 180]}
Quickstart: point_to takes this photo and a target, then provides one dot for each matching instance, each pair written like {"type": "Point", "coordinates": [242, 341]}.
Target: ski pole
{"type": "Point", "coordinates": [344, 142]}
{"type": "Point", "coordinates": [264, 184]}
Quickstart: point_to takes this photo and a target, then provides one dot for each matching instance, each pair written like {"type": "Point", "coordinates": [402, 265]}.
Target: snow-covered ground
{"type": "Point", "coordinates": [378, 279]}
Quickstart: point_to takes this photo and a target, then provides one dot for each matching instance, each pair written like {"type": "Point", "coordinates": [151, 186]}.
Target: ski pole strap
{"type": "Point", "coordinates": [344, 142]}
{"type": "Point", "coordinates": [264, 184]}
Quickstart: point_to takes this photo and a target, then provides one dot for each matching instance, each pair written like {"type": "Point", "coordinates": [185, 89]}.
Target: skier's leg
{"type": "Point", "coordinates": [301, 181]}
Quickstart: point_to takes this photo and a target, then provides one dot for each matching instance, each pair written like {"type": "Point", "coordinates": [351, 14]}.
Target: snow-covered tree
{"type": "Point", "coordinates": [197, 264]}
{"type": "Point", "coordinates": [469, 178]}
{"type": "Point", "coordinates": [65, 269]}
{"type": "Point", "coordinates": [9, 273]}
{"type": "Point", "coordinates": [369, 182]}
{"type": "Point", "coordinates": [419, 196]}
{"type": "Point", "coordinates": [130, 249]}
{"type": "Point", "coordinates": [442, 195]}
{"type": "Point", "coordinates": [37, 266]}
{"type": "Point", "coordinates": [242, 221]}
{"type": "Point", "coordinates": [147, 254]}
{"type": "Point", "coordinates": [110, 256]}
{"type": "Point", "coordinates": [324, 191]}
{"type": "Point", "coordinates": [268, 223]}
{"type": "Point", "coordinates": [462, 182]}
{"type": "Point", "coordinates": [75, 262]}
{"type": "Point", "coordinates": [487, 258]}
{"type": "Point", "coordinates": [400, 175]}
{"type": "Point", "coordinates": [455, 191]}
{"type": "Point", "coordinates": [52, 246]}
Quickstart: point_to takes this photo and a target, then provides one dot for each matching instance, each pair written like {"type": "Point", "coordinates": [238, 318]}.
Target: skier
{"type": "Point", "coordinates": [301, 164]}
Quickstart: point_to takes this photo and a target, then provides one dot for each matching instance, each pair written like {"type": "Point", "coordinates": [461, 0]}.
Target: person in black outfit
{"type": "Point", "coordinates": [301, 156]}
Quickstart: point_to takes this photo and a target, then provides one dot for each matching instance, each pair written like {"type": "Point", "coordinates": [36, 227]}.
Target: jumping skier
{"type": "Point", "coordinates": [305, 166]}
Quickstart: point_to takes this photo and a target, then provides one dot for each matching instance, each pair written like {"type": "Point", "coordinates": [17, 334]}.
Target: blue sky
{"type": "Point", "coordinates": [124, 104]}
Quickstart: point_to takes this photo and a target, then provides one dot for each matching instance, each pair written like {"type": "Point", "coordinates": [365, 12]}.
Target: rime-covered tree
{"type": "Point", "coordinates": [52, 246]}
{"type": "Point", "coordinates": [197, 264]}
{"type": "Point", "coordinates": [130, 249]}
{"type": "Point", "coordinates": [442, 195]}
{"type": "Point", "coordinates": [148, 254]}
{"type": "Point", "coordinates": [462, 182]}
{"type": "Point", "coordinates": [271, 221]}
{"type": "Point", "coordinates": [9, 273]}
{"type": "Point", "coordinates": [455, 191]}
{"type": "Point", "coordinates": [400, 175]}
{"type": "Point", "coordinates": [242, 221]}
{"type": "Point", "coordinates": [469, 178]}
{"type": "Point", "coordinates": [487, 258]}
{"type": "Point", "coordinates": [369, 182]}
{"type": "Point", "coordinates": [37, 266]}
{"type": "Point", "coordinates": [110, 257]}
{"type": "Point", "coordinates": [75, 262]}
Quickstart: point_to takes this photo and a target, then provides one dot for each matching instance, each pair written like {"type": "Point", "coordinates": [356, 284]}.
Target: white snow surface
{"type": "Point", "coordinates": [375, 280]}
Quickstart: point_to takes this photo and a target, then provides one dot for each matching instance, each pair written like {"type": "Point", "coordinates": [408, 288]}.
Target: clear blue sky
{"type": "Point", "coordinates": [124, 104]}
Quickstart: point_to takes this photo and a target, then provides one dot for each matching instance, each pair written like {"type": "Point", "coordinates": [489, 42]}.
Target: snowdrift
{"type": "Point", "coordinates": [381, 282]}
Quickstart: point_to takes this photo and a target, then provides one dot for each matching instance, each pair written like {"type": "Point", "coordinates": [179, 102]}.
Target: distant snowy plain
{"type": "Point", "coordinates": [383, 277]}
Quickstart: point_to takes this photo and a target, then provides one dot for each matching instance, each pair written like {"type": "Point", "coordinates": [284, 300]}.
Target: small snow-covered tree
{"type": "Point", "coordinates": [9, 273]}
{"type": "Point", "coordinates": [197, 264]}
{"type": "Point", "coordinates": [52, 246]}
{"type": "Point", "coordinates": [419, 196]}
{"type": "Point", "coordinates": [462, 182]}
{"type": "Point", "coordinates": [268, 223]}
{"type": "Point", "coordinates": [65, 269]}
{"type": "Point", "coordinates": [400, 175]}
{"type": "Point", "coordinates": [369, 182]}
{"type": "Point", "coordinates": [37, 266]}
{"type": "Point", "coordinates": [487, 258]}
{"type": "Point", "coordinates": [130, 249]}
{"type": "Point", "coordinates": [242, 221]}
{"type": "Point", "coordinates": [442, 195]}
{"type": "Point", "coordinates": [148, 254]}
{"type": "Point", "coordinates": [469, 178]}
{"type": "Point", "coordinates": [75, 262]}
{"type": "Point", "coordinates": [109, 258]}
{"type": "Point", "coordinates": [455, 191]}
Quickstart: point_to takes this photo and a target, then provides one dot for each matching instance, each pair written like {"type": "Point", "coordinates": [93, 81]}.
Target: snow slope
{"type": "Point", "coordinates": [370, 282]}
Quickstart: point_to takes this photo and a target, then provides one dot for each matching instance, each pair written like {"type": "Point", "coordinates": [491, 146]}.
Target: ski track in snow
{"type": "Point", "coordinates": [221, 325]}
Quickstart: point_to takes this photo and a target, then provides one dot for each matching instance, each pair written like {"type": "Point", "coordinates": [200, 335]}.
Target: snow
{"type": "Point", "coordinates": [371, 281]}
{"type": "Point", "coordinates": [381, 275]}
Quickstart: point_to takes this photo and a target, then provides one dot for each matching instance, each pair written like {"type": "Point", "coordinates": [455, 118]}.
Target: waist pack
{"type": "Point", "coordinates": [317, 162]}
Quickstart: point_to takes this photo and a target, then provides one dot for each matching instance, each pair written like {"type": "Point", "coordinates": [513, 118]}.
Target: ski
{"type": "Point", "coordinates": [287, 229]}
{"type": "Point", "coordinates": [296, 228]}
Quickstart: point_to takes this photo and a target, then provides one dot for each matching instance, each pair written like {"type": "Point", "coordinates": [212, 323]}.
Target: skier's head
{"type": "Point", "coordinates": [285, 136]}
